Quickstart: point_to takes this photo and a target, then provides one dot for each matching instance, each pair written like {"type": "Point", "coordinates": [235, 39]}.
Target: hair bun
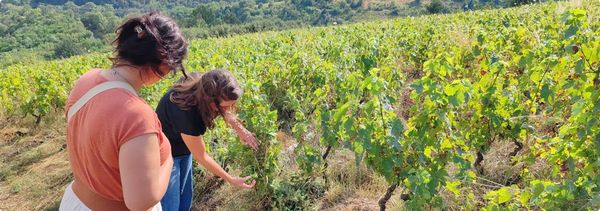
{"type": "Point", "coordinates": [150, 40]}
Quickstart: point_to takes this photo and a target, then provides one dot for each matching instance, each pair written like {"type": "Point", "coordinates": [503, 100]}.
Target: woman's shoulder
{"type": "Point", "coordinates": [92, 75]}
{"type": "Point", "coordinates": [166, 101]}
{"type": "Point", "coordinates": [166, 107]}
{"type": "Point", "coordinates": [88, 80]}
{"type": "Point", "coordinates": [84, 83]}
{"type": "Point", "coordinates": [121, 100]}
{"type": "Point", "coordinates": [124, 100]}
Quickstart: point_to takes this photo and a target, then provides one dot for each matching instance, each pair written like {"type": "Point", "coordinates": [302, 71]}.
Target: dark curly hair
{"type": "Point", "coordinates": [149, 40]}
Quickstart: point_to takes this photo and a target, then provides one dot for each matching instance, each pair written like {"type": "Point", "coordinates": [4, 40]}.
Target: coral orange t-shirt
{"type": "Point", "coordinates": [97, 131]}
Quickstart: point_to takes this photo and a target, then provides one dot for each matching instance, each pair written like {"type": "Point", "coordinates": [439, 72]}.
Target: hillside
{"type": "Point", "coordinates": [53, 29]}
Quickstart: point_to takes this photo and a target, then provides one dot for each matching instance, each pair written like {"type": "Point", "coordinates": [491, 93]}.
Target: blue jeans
{"type": "Point", "coordinates": [179, 192]}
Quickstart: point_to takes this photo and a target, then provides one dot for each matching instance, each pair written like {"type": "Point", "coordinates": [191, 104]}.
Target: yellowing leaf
{"type": "Point", "coordinates": [453, 186]}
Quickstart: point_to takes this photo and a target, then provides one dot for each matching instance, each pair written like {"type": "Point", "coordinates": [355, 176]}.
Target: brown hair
{"type": "Point", "coordinates": [198, 91]}
{"type": "Point", "coordinates": [149, 40]}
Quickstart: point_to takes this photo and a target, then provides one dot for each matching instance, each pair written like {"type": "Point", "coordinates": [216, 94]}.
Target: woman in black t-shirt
{"type": "Point", "coordinates": [185, 112]}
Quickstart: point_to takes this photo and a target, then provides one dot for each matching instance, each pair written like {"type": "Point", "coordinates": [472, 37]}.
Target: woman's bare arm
{"type": "Point", "coordinates": [246, 136]}
{"type": "Point", "coordinates": [143, 179]}
{"type": "Point", "coordinates": [198, 149]}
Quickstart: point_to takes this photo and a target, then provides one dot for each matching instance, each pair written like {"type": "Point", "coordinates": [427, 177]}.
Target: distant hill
{"type": "Point", "coordinates": [50, 29]}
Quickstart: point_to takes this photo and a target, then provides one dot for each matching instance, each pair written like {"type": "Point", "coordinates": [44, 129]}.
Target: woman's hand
{"type": "Point", "coordinates": [241, 182]}
{"type": "Point", "coordinates": [198, 149]}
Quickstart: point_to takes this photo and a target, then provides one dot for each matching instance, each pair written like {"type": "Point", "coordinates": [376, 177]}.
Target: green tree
{"type": "Point", "coordinates": [436, 6]}
{"type": "Point", "coordinates": [71, 46]}
{"type": "Point", "coordinates": [512, 3]}
{"type": "Point", "coordinates": [208, 13]}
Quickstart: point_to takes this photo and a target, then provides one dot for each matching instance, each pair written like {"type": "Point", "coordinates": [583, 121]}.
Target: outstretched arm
{"type": "Point", "coordinates": [198, 149]}
{"type": "Point", "coordinates": [247, 137]}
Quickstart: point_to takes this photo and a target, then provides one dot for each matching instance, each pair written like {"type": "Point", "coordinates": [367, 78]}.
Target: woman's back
{"type": "Point", "coordinates": [118, 154]}
{"type": "Point", "coordinates": [97, 131]}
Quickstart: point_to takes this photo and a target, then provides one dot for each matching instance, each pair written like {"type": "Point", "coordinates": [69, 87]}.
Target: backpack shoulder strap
{"type": "Point", "coordinates": [95, 91]}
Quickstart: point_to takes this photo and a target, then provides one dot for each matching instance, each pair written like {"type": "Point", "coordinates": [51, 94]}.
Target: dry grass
{"type": "Point", "coordinates": [225, 196]}
{"type": "Point", "coordinates": [34, 169]}
{"type": "Point", "coordinates": [500, 170]}
{"type": "Point", "coordinates": [353, 187]}
{"type": "Point", "coordinates": [498, 165]}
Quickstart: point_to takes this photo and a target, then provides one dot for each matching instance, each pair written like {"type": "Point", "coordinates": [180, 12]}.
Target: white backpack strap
{"type": "Point", "coordinates": [97, 90]}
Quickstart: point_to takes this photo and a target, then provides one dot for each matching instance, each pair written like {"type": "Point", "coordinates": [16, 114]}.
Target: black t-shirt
{"type": "Point", "coordinates": [175, 121]}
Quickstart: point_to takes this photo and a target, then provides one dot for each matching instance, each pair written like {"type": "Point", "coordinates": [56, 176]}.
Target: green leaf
{"type": "Point", "coordinates": [526, 60]}
{"type": "Point", "coordinates": [579, 67]}
{"type": "Point", "coordinates": [417, 86]}
{"type": "Point", "coordinates": [495, 59]}
{"type": "Point", "coordinates": [369, 107]}
{"type": "Point", "coordinates": [546, 92]}
{"type": "Point", "coordinates": [318, 92]}
{"type": "Point", "coordinates": [387, 165]}
{"type": "Point", "coordinates": [395, 143]}
{"type": "Point", "coordinates": [341, 112]}
{"type": "Point", "coordinates": [446, 144]}
{"type": "Point", "coordinates": [579, 13]}
{"type": "Point", "coordinates": [572, 30]}
{"type": "Point", "coordinates": [597, 144]}
{"type": "Point", "coordinates": [429, 65]}
{"type": "Point", "coordinates": [524, 197]}
{"type": "Point", "coordinates": [504, 195]}
{"type": "Point", "coordinates": [442, 70]}
{"type": "Point", "coordinates": [357, 147]}
{"type": "Point", "coordinates": [536, 76]}
{"type": "Point", "coordinates": [428, 152]}
{"type": "Point", "coordinates": [536, 189]}
{"type": "Point", "coordinates": [476, 50]}
{"type": "Point", "coordinates": [348, 126]}
{"type": "Point", "coordinates": [450, 89]}
{"type": "Point", "coordinates": [397, 128]}
{"type": "Point", "coordinates": [480, 37]}
{"type": "Point", "coordinates": [454, 100]}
